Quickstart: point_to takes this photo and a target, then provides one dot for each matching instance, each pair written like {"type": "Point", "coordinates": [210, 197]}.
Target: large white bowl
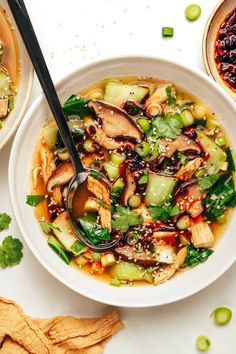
{"type": "Point", "coordinates": [181, 286]}
{"type": "Point", "coordinates": [24, 85]}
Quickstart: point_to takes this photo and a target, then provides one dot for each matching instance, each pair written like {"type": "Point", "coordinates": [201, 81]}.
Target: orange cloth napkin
{"type": "Point", "coordinates": [20, 334]}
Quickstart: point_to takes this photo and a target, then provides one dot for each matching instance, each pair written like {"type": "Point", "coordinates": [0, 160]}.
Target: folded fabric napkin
{"type": "Point", "coordinates": [21, 334]}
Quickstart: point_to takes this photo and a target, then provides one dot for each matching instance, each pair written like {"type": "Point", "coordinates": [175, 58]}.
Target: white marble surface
{"type": "Point", "coordinates": [73, 33]}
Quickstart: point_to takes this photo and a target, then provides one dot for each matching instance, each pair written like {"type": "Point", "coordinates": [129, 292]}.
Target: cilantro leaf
{"type": "Point", "coordinates": [182, 158]}
{"type": "Point", "coordinates": [103, 203]}
{"type": "Point", "coordinates": [124, 218]}
{"type": "Point", "coordinates": [48, 227]}
{"type": "Point", "coordinates": [115, 194]}
{"type": "Point", "coordinates": [93, 231]}
{"type": "Point", "coordinates": [208, 181]}
{"type": "Point", "coordinates": [163, 212]}
{"type": "Point", "coordinates": [34, 200]}
{"type": "Point", "coordinates": [196, 255]}
{"type": "Point", "coordinates": [76, 105]}
{"type": "Point", "coordinates": [171, 100]}
{"type": "Point", "coordinates": [10, 252]}
{"type": "Point", "coordinates": [5, 221]}
{"type": "Point", "coordinates": [220, 196]}
{"type": "Point", "coordinates": [168, 127]}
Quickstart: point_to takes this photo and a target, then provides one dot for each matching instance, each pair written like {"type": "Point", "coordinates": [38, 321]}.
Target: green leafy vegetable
{"type": "Point", "coordinates": [96, 174]}
{"type": "Point", "coordinates": [93, 231]}
{"type": "Point", "coordinates": [182, 158]}
{"type": "Point", "coordinates": [167, 127]}
{"type": "Point", "coordinates": [230, 159]}
{"type": "Point", "coordinates": [208, 181]}
{"type": "Point", "coordinates": [34, 200]}
{"type": "Point", "coordinates": [59, 249]}
{"type": "Point", "coordinates": [10, 252]}
{"type": "Point", "coordinates": [76, 132]}
{"type": "Point", "coordinates": [220, 196]}
{"type": "Point", "coordinates": [124, 218]}
{"type": "Point", "coordinates": [171, 100]}
{"type": "Point", "coordinates": [163, 212]}
{"type": "Point", "coordinates": [5, 221]}
{"type": "Point", "coordinates": [76, 105]}
{"type": "Point", "coordinates": [196, 255]}
{"type": "Point", "coordinates": [115, 194]}
{"type": "Point", "coordinates": [48, 227]}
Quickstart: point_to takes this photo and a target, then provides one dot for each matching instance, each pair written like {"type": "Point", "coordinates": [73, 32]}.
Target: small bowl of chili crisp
{"type": "Point", "coordinates": [219, 46]}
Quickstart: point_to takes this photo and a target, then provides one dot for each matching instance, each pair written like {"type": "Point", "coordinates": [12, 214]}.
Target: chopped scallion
{"type": "Point", "coordinates": [193, 12]}
{"type": "Point", "coordinates": [202, 343]}
{"type": "Point", "coordinates": [222, 315]}
{"type": "Point", "coordinates": [167, 31]}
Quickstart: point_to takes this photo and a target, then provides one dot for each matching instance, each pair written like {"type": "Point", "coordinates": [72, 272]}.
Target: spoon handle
{"type": "Point", "coordinates": [28, 35]}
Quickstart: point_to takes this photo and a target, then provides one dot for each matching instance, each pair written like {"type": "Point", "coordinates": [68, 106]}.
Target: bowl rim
{"type": "Point", "coordinates": [11, 172]}
{"type": "Point", "coordinates": [30, 79]}
{"type": "Point", "coordinates": [204, 50]}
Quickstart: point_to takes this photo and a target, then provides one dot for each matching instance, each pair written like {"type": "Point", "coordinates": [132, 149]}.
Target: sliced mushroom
{"type": "Point", "coordinates": [186, 171]}
{"type": "Point", "coordinates": [202, 235]}
{"type": "Point", "coordinates": [62, 175]}
{"type": "Point", "coordinates": [130, 186]}
{"type": "Point", "coordinates": [168, 147]}
{"type": "Point", "coordinates": [47, 161]}
{"type": "Point", "coordinates": [144, 259]}
{"type": "Point", "coordinates": [116, 122]}
{"type": "Point", "coordinates": [97, 134]}
{"type": "Point", "coordinates": [168, 272]}
{"type": "Point", "coordinates": [100, 191]}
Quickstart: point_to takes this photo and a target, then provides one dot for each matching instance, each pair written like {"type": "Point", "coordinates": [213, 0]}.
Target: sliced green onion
{"type": "Point", "coordinates": [202, 343]}
{"type": "Point", "coordinates": [230, 159]}
{"type": "Point", "coordinates": [144, 124]}
{"type": "Point", "coordinates": [221, 141]}
{"type": "Point", "coordinates": [222, 219]}
{"type": "Point", "coordinates": [222, 315]}
{"type": "Point", "coordinates": [132, 238]}
{"type": "Point", "coordinates": [96, 256]}
{"type": "Point", "coordinates": [187, 117]}
{"type": "Point", "coordinates": [134, 201]}
{"type": "Point", "coordinates": [154, 153]}
{"type": "Point", "coordinates": [167, 31]}
{"type": "Point", "coordinates": [143, 179]}
{"type": "Point", "coordinates": [143, 149]}
{"type": "Point", "coordinates": [115, 282]}
{"type": "Point", "coordinates": [117, 159]}
{"type": "Point", "coordinates": [193, 12]}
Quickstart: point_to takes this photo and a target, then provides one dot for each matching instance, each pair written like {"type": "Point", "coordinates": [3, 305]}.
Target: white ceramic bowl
{"type": "Point", "coordinates": [179, 287]}
{"type": "Point", "coordinates": [24, 86]}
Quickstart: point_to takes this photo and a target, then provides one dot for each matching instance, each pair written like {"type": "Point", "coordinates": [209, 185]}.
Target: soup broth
{"type": "Point", "coordinates": [170, 186]}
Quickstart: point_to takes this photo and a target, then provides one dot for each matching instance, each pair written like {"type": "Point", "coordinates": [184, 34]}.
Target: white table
{"type": "Point", "coordinates": [73, 33]}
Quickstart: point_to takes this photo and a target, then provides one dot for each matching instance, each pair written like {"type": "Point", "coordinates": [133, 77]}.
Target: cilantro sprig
{"type": "Point", "coordinates": [10, 252]}
{"type": "Point", "coordinates": [5, 221]}
{"type": "Point", "coordinates": [124, 218]}
{"type": "Point", "coordinates": [163, 212]}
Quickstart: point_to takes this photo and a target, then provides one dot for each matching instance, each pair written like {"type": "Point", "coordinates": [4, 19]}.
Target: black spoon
{"type": "Point", "coordinates": [28, 35]}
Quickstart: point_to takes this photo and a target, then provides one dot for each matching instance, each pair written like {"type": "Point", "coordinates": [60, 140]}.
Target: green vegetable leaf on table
{"type": "Point", "coordinates": [10, 252]}
{"type": "Point", "coordinates": [163, 212]}
{"type": "Point", "coordinates": [208, 181]}
{"type": "Point", "coordinates": [124, 218]}
{"type": "Point", "coordinates": [76, 106]}
{"type": "Point", "coordinates": [196, 256]}
{"type": "Point", "coordinates": [93, 231]}
{"type": "Point", "coordinates": [48, 227]}
{"type": "Point", "coordinates": [34, 200]}
{"type": "Point", "coordinates": [167, 127]}
{"type": "Point", "coordinates": [220, 196]}
{"type": "Point", "coordinates": [171, 100]}
{"type": "Point", "coordinates": [5, 221]}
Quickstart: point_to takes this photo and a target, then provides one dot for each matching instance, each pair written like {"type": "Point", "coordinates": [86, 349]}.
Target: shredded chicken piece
{"type": "Point", "coordinates": [168, 147]}
{"type": "Point", "coordinates": [56, 195]}
{"type": "Point", "coordinates": [36, 172]}
{"type": "Point", "coordinates": [153, 104]}
{"type": "Point", "coordinates": [100, 191]}
{"type": "Point", "coordinates": [186, 171]}
{"type": "Point", "coordinates": [202, 235]}
{"type": "Point", "coordinates": [169, 271]}
{"type": "Point", "coordinates": [96, 133]}
{"type": "Point", "coordinates": [47, 161]}
{"type": "Point", "coordinates": [143, 211]}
